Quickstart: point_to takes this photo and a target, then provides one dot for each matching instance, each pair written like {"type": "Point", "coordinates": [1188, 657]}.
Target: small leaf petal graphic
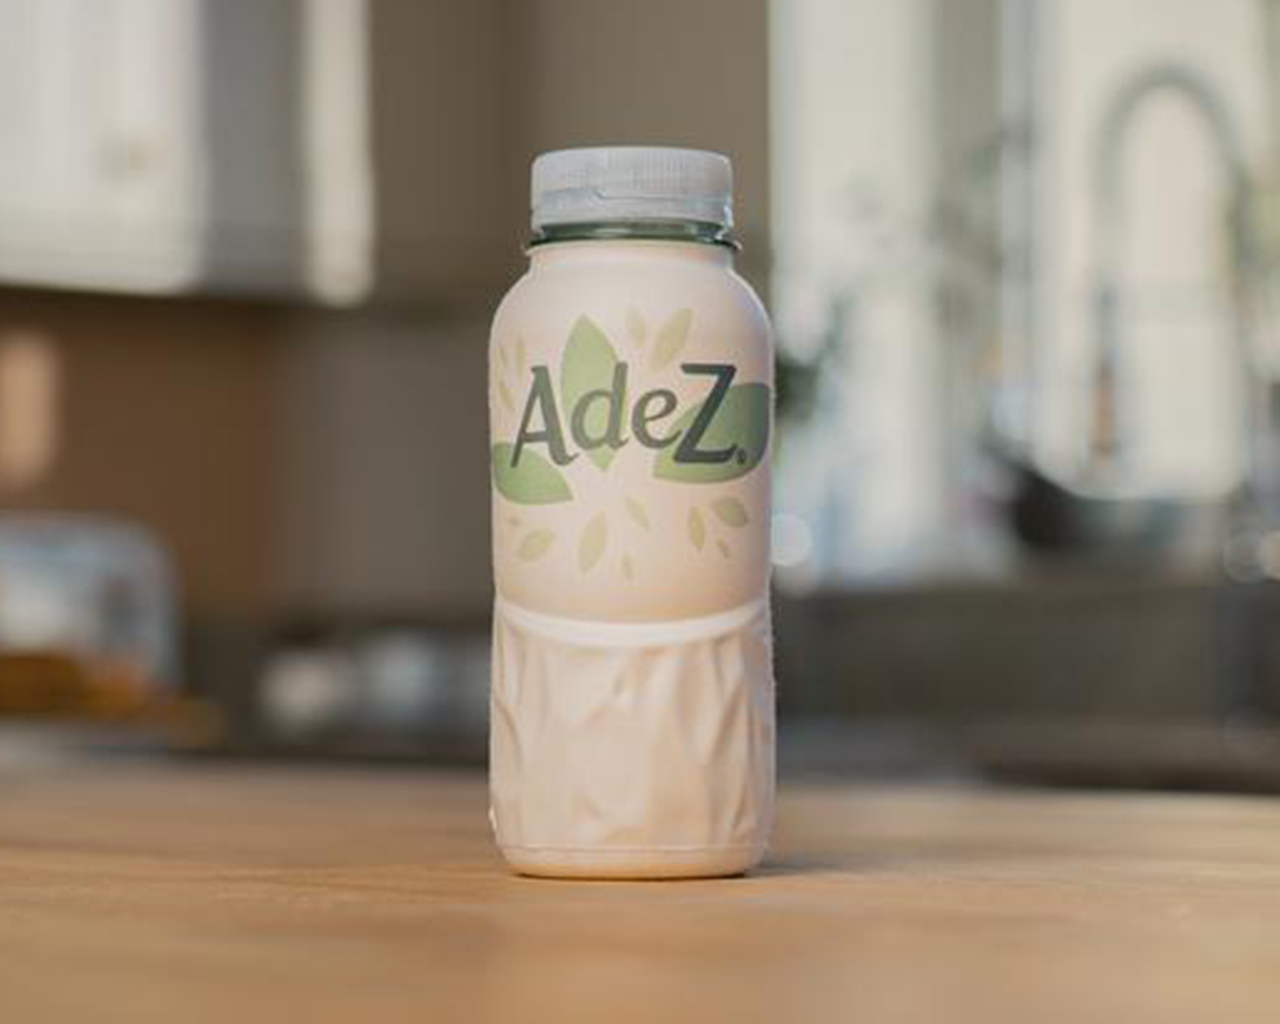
{"type": "Point", "coordinates": [636, 327]}
{"type": "Point", "coordinates": [628, 570]}
{"type": "Point", "coordinates": [535, 545]}
{"type": "Point", "coordinates": [724, 548]}
{"type": "Point", "coordinates": [671, 339]}
{"type": "Point", "coordinates": [521, 356]}
{"type": "Point", "coordinates": [637, 512]}
{"type": "Point", "coordinates": [502, 355]}
{"type": "Point", "coordinates": [697, 529]}
{"type": "Point", "coordinates": [504, 393]}
{"type": "Point", "coordinates": [595, 535]}
{"type": "Point", "coordinates": [731, 512]}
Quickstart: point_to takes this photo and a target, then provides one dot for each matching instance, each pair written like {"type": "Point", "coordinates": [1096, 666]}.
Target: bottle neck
{"type": "Point", "coordinates": [690, 240]}
{"type": "Point", "coordinates": [697, 232]}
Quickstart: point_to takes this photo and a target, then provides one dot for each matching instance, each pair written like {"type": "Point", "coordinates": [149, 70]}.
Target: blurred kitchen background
{"type": "Point", "coordinates": [1024, 258]}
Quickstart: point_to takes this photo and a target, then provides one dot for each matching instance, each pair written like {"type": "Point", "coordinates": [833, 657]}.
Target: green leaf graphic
{"type": "Point", "coordinates": [636, 327]}
{"type": "Point", "coordinates": [587, 365]}
{"type": "Point", "coordinates": [697, 529]}
{"type": "Point", "coordinates": [521, 356]}
{"type": "Point", "coordinates": [628, 571]}
{"type": "Point", "coordinates": [731, 512]}
{"type": "Point", "coordinates": [535, 481]}
{"type": "Point", "coordinates": [535, 545]}
{"type": "Point", "coordinates": [637, 512]}
{"type": "Point", "coordinates": [671, 339]}
{"type": "Point", "coordinates": [742, 421]}
{"type": "Point", "coordinates": [724, 548]}
{"type": "Point", "coordinates": [595, 535]}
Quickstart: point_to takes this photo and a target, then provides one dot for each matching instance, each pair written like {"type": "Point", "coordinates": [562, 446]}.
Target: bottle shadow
{"type": "Point", "coordinates": [798, 866]}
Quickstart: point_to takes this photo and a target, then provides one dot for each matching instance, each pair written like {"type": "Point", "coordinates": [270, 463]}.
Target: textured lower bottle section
{"type": "Point", "coordinates": [632, 751]}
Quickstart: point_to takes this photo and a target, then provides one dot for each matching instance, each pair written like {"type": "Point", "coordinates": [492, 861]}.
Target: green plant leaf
{"type": "Point", "coordinates": [742, 421]}
{"type": "Point", "coordinates": [697, 529]}
{"type": "Point", "coordinates": [636, 327]}
{"type": "Point", "coordinates": [731, 512]}
{"type": "Point", "coordinates": [595, 537]}
{"type": "Point", "coordinates": [636, 511]}
{"type": "Point", "coordinates": [536, 481]}
{"type": "Point", "coordinates": [671, 339]}
{"type": "Point", "coordinates": [587, 365]}
{"type": "Point", "coordinates": [535, 545]}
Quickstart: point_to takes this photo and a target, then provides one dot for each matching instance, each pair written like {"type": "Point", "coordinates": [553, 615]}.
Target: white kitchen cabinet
{"type": "Point", "coordinates": [332, 149]}
{"type": "Point", "coordinates": [100, 178]}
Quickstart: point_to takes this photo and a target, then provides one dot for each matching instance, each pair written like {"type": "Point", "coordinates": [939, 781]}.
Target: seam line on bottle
{"type": "Point", "coordinates": [589, 633]}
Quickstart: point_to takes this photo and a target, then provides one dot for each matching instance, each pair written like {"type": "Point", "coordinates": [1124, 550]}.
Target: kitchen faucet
{"type": "Point", "coordinates": [1098, 512]}
{"type": "Point", "coordinates": [1108, 437]}
{"type": "Point", "coordinates": [1242, 614]}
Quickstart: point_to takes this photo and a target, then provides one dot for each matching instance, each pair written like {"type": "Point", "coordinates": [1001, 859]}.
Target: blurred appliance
{"type": "Point", "coordinates": [87, 616]}
{"type": "Point", "coordinates": [376, 690]}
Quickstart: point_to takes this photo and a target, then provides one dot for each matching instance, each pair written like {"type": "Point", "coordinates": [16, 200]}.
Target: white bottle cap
{"type": "Point", "coordinates": [632, 183]}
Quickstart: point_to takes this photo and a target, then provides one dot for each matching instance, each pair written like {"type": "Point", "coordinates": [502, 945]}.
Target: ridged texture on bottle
{"type": "Point", "coordinates": [636, 760]}
{"type": "Point", "coordinates": [612, 183]}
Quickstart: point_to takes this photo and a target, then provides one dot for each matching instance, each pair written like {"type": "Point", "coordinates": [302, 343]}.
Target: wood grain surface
{"type": "Point", "coordinates": [161, 892]}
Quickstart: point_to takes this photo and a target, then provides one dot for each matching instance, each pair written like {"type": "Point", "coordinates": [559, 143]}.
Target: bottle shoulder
{"type": "Point", "coordinates": [653, 288]}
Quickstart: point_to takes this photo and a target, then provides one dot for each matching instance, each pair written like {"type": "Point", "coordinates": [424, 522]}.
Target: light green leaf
{"type": "Point", "coordinates": [724, 548]}
{"type": "Point", "coordinates": [636, 326]}
{"type": "Point", "coordinates": [671, 339]}
{"type": "Point", "coordinates": [521, 356]}
{"type": "Point", "coordinates": [502, 354]}
{"type": "Point", "coordinates": [587, 365]}
{"type": "Point", "coordinates": [628, 571]}
{"type": "Point", "coordinates": [536, 481]}
{"type": "Point", "coordinates": [535, 545]}
{"type": "Point", "coordinates": [637, 512]}
{"type": "Point", "coordinates": [741, 421]}
{"type": "Point", "coordinates": [697, 529]}
{"type": "Point", "coordinates": [504, 393]}
{"type": "Point", "coordinates": [731, 512]}
{"type": "Point", "coordinates": [595, 536]}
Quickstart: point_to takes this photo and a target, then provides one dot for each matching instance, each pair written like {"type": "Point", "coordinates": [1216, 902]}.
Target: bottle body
{"type": "Point", "coordinates": [631, 412]}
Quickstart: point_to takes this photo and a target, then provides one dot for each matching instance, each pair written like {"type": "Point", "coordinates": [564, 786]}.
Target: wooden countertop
{"type": "Point", "coordinates": [166, 893]}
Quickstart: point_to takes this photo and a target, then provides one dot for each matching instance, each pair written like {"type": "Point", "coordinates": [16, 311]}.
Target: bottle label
{"type": "Point", "coordinates": [624, 441]}
{"type": "Point", "coordinates": [595, 404]}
